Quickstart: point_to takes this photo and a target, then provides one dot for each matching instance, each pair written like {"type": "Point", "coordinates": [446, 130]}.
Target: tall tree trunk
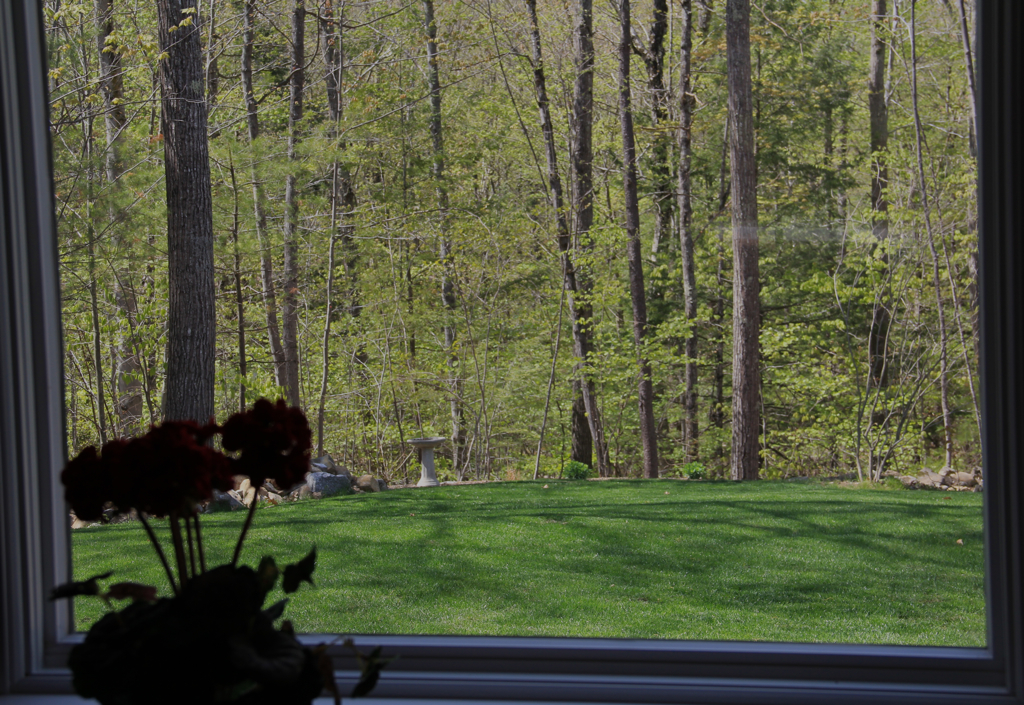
{"type": "Point", "coordinates": [97, 341]}
{"type": "Point", "coordinates": [325, 370]}
{"type": "Point", "coordinates": [648, 430]}
{"type": "Point", "coordinates": [212, 68]}
{"type": "Point", "coordinates": [661, 152]}
{"type": "Point", "coordinates": [704, 9]}
{"type": "Point", "coordinates": [129, 369]}
{"type": "Point", "coordinates": [972, 222]}
{"type": "Point", "coordinates": [686, 245]}
{"type": "Point", "coordinates": [947, 412]}
{"type": "Point", "coordinates": [582, 439]}
{"type": "Point", "coordinates": [746, 382]}
{"type": "Point", "coordinates": [289, 304]}
{"type": "Point", "coordinates": [266, 256]}
{"type": "Point", "coordinates": [343, 201]}
{"type": "Point", "coordinates": [191, 333]}
{"type": "Point", "coordinates": [972, 93]}
{"type": "Point", "coordinates": [878, 113]}
{"type": "Point", "coordinates": [717, 416]}
{"type": "Point", "coordinates": [582, 150]}
{"type": "Point", "coordinates": [239, 298]}
{"type": "Point", "coordinates": [445, 251]}
{"type": "Point", "coordinates": [582, 442]}
{"type": "Point", "coordinates": [111, 83]}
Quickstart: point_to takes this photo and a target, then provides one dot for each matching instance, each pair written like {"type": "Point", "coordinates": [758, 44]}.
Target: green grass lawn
{"type": "Point", "coordinates": [762, 561]}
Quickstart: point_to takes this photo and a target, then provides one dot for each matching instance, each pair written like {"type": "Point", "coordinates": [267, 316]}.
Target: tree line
{"type": "Point", "coordinates": [654, 237]}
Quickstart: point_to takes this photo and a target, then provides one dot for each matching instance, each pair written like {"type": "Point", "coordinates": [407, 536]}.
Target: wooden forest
{"type": "Point", "coordinates": [714, 238]}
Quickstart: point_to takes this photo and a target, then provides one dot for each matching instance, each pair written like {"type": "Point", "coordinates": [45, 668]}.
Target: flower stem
{"type": "Point", "coordinates": [191, 549]}
{"type": "Point", "coordinates": [179, 550]}
{"type": "Point", "coordinates": [199, 544]}
{"type": "Point", "coordinates": [245, 528]}
{"type": "Point", "coordinates": [159, 551]}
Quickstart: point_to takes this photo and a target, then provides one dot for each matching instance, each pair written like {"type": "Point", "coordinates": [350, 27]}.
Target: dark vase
{"type": "Point", "coordinates": [212, 644]}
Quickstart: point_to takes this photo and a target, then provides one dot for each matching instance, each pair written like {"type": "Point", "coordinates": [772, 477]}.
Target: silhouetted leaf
{"type": "Point", "coordinates": [88, 586]}
{"type": "Point", "coordinates": [326, 668]}
{"type": "Point", "coordinates": [370, 667]}
{"type": "Point", "coordinates": [134, 591]}
{"type": "Point", "coordinates": [267, 573]}
{"type": "Point", "coordinates": [299, 572]}
{"type": "Point", "coordinates": [275, 610]}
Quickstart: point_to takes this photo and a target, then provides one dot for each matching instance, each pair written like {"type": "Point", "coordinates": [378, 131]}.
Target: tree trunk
{"type": "Point", "coordinates": [716, 417]}
{"type": "Point", "coordinates": [445, 252]}
{"type": "Point", "coordinates": [582, 441]}
{"type": "Point", "coordinates": [325, 370]}
{"type": "Point", "coordinates": [972, 94]}
{"type": "Point", "coordinates": [212, 69]}
{"type": "Point", "coordinates": [582, 206]}
{"type": "Point", "coordinates": [878, 113]}
{"type": "Point", "coordinates": [704, 8]}
{"type": "Point", "coordinates": [661, 149]}
{"type": "Point", "coordinates": [129, 370]}
{"type": "Point", "coordinates": [972, 221]}
{"type": "Point", "coordinates": [343, 202]}
{"type": "Point", "coordinates": [289, 305]}
{"type": "Point", "coordinates": [239, 298]}
{"type": "Point", "coordinates": [97, 341]}
{"type": "Point", "coordinates": [686, 245]}
{"type": "Point", "coordinates": [111, 86]}
{"type": "Point", "coordinates": [746, 382]}
{"type": "Point", "coordinates": [191, 333]}
{"type": "Point", "coordinates": [266, 258]}
{"type": "Point", "coordinates": [648, 430]}
{"type": "Point", "coordinates": [947, 412]}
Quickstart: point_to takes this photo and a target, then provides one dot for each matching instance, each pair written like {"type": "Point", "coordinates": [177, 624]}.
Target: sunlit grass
{"type": "Point", "coordinates": [638, 559]}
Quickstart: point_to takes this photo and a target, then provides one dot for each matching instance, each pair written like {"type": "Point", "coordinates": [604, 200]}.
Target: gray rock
{"type": "Point", "coordinates": [929, 478]}
{"type": "Point", "coordinates": [908, 481]}
{"type": "Point", "coordinates": [325, 460]}
{"type": "Point", "coordinates": [299, 492]}
{"type": "Point", "coordinates": [325, 484]}
{"type": "Point", "coordinates": [966, 479]}
{"type": "Point", "coordinates": [368, 483]}
{"type": "Point", "coordinates": [77, 523]}
{"type": "Point", "coordinates": [382, 484]}
{"type": "Point", "coordinates": [225, 501]}
{"type": "Point", "coordinates": [325, 463]}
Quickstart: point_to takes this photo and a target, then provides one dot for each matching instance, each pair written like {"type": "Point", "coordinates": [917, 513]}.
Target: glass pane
{"type": "Point", "coordinates": [401, 242]}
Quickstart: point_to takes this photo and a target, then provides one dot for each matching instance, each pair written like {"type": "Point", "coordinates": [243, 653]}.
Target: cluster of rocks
{"type": "Point", "coordinates": [946, 479]}
{"type": "Point", "coordinates": [324, 479]}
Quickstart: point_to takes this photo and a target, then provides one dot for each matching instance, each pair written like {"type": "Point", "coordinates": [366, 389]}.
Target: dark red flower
{"type": "Point", "coordinates": [88, 484]}
{"type": "Point", "coordinates": [170, 469]}
{"type": "Point", "coordinates": [273, 442]}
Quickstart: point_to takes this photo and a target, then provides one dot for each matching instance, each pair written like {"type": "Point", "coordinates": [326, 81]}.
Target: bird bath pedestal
{"type": "Point", "coordinates": [428, 477]}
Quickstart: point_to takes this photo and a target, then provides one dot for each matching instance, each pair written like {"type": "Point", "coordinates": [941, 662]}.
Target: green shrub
{"type": "Point", "coordinates": [893, 483]}
{"type": "Point", "coordinates": [575, 470]}
{"type": "Point", "coordinates": [695, 470]}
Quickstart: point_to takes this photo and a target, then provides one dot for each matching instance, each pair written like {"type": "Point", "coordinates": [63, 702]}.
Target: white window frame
{"type": "Point", "coordinates": [35, 635]}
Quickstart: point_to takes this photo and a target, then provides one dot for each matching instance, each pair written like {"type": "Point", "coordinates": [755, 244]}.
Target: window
{"type": "Point", "coordinates": [35, 635]}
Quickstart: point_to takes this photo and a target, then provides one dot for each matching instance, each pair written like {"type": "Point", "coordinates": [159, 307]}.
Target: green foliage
{"type": "Point", "coordinates": [575, 470]}
{"type": "Point", "coordinates": [388, 374]}
{"type": "Point", "coordinates": [695, 471]}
